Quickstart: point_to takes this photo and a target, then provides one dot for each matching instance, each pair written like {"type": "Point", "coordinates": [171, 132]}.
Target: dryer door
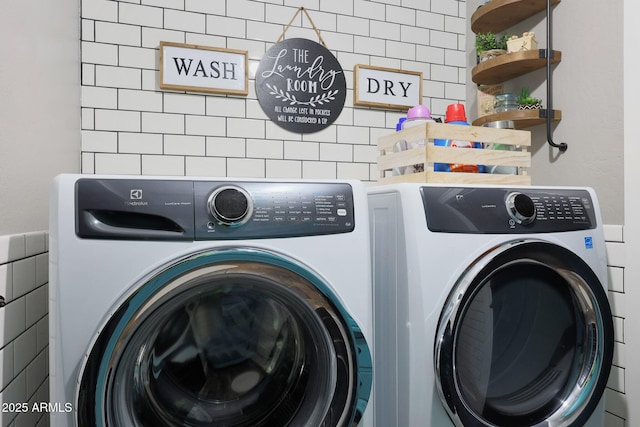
{"type": "Point", "coordinates": [235, 337]}
{"type": "Point", "coordinates": [525, 339]}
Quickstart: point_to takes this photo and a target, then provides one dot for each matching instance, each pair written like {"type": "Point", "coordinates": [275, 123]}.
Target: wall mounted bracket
{"type": "Point", "coordinates": [549, 56]}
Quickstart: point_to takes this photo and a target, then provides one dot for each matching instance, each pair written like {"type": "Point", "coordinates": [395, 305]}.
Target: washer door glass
{"type": "Point", "coordinates": [526, 337]}
{"type": "Point", "coordinates": [230, 338]}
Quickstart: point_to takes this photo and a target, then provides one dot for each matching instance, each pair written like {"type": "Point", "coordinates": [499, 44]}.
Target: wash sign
{"type": "Point", "coordinates": [196, 68]}
{"type": "Point", "coordinates": [387, 87]}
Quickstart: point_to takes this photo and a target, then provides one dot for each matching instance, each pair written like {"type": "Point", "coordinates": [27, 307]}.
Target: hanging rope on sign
{"type": "Point", "coordinates": [301, 8]}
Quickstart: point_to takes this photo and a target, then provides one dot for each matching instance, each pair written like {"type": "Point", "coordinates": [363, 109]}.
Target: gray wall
{"type": "Point", "coordinates": [587, 88]}
{"type": "Point", "coordinates": [39, 107]}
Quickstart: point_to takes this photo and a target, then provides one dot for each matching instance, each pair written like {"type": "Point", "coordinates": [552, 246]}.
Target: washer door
{"type": "Point", "coordinates": [525, 339]}
{"type": "Point", "coordinates": [235, 337]}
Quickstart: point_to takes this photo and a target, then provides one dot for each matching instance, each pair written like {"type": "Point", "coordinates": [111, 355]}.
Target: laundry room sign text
{"type": "Point", "coordinates": [196, 68]}
{"type": "Point", "coordinates": [300, 85]}
{"type": "Point", "coordinates": [386, 87]}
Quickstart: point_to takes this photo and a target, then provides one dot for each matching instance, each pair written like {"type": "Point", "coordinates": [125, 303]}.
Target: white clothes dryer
{"type": "Point", "coordinates": [490, 306]}
{"type": "Point", "coordinates": [206, 302]}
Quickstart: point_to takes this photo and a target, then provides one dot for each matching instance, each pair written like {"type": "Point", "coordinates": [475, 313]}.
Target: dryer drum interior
{"type": "Point", "coordinates": [525, 339]}
{"type": "Point", "coordinates": [229, 338]}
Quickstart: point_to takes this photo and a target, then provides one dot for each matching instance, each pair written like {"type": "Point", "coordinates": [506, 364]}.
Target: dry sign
{"type": "Point", "coordinates": [386, 87]}
{"type": "Point", "coordinates": [203, 69]}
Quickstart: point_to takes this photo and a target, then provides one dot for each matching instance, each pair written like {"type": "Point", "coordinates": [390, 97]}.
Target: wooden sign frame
{"type": "Point", "coordinates": [204, 69]}
{"type": "Point", "coordinates": [391, 82]}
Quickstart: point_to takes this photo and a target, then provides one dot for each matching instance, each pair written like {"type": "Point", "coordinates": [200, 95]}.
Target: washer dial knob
{"type": "Point", "coordinates": [230, 205]}
{"type": "Point", "coordinates": [521, 208]}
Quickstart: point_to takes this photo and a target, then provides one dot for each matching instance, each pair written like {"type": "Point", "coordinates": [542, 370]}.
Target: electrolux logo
{"type": "Point", "coordinates": [135, 196]}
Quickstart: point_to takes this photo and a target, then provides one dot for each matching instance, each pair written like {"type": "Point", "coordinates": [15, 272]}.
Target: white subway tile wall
{"type": "Point", "coordinates": [130, 126]}
{"type": "Point", "coordinates": [616, 403]}
{"type": "Point", "coordinates": [24, 329]}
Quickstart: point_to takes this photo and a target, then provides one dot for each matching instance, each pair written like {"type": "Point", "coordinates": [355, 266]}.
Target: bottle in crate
{"type": "Point", "coordinates": [456, 115]}
{"type": "Point", "coordinates": [501, 124]}
{"type": "Point", "coordinates": [415, 116]}
{"type": "Point", "coordinates": [399, 146]}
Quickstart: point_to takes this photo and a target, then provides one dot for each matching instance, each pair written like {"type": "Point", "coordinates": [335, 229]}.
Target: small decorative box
{"type": "Point", "coordinates": [526, 42]}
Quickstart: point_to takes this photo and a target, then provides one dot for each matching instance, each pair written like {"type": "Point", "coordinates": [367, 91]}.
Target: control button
{"type": "Point", "coordinates": [521, 208]}
{"type": "Point", "coordinates": [230, 205]}
{"type": "Point", "coordinates": [341, 212]}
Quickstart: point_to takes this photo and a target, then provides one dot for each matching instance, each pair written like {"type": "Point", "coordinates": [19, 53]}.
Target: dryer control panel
{"type": "Point", "coordinates": [152, 209]}
{"type": "Point", "coordinates": [507, 210]}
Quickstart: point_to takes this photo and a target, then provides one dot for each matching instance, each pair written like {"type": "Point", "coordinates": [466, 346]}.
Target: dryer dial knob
{"type": "Point", "coordinates": [230, 205]}
{"type": "Point", "coordinates": [521, 208]}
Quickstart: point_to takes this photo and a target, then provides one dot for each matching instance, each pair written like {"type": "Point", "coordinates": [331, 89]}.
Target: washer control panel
{"type": "Point", "coordinates": [264, 209]}
{"type": "Point", "coordinates": [504, 210]}
{"type": "Point", "coordinates": [152, 209]}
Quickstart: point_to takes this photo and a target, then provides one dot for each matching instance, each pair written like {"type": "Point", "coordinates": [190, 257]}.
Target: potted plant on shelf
{"type": "Point", "coordinates": [490, 45]}
{"type": "Point", "coordinates": [527, 102]}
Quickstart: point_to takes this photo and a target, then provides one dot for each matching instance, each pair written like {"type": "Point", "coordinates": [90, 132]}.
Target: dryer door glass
{"type": "Point", "coordinates": [526, 339]}
{"type": "Point", "coordinates": [213, 341]}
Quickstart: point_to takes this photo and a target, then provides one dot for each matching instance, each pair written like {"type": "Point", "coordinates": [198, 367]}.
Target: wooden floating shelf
{"type": "Point", "coordinates": [522, 119]}
{"type": "Point", "coordinates": [498, 15]}
{"type": "Point", "coordinates": [510, 65]}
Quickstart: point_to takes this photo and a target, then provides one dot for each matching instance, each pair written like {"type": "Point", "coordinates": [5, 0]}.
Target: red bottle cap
{"type": "Point", "coordinates": [455, 113]}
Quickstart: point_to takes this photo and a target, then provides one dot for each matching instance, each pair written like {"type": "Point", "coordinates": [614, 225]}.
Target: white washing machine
{"type": "Point", "coordinates": [490, 306]}
{"type": "Point", "coordinates": [206, 302]}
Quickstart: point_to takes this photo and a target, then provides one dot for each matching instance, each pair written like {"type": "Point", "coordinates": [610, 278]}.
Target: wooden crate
{"type": "Point", "coordinates": [430, 153]}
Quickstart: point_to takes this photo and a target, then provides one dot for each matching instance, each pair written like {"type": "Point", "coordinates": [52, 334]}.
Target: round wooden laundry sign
{"type": "Point", "coordinates": [301, 86]}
